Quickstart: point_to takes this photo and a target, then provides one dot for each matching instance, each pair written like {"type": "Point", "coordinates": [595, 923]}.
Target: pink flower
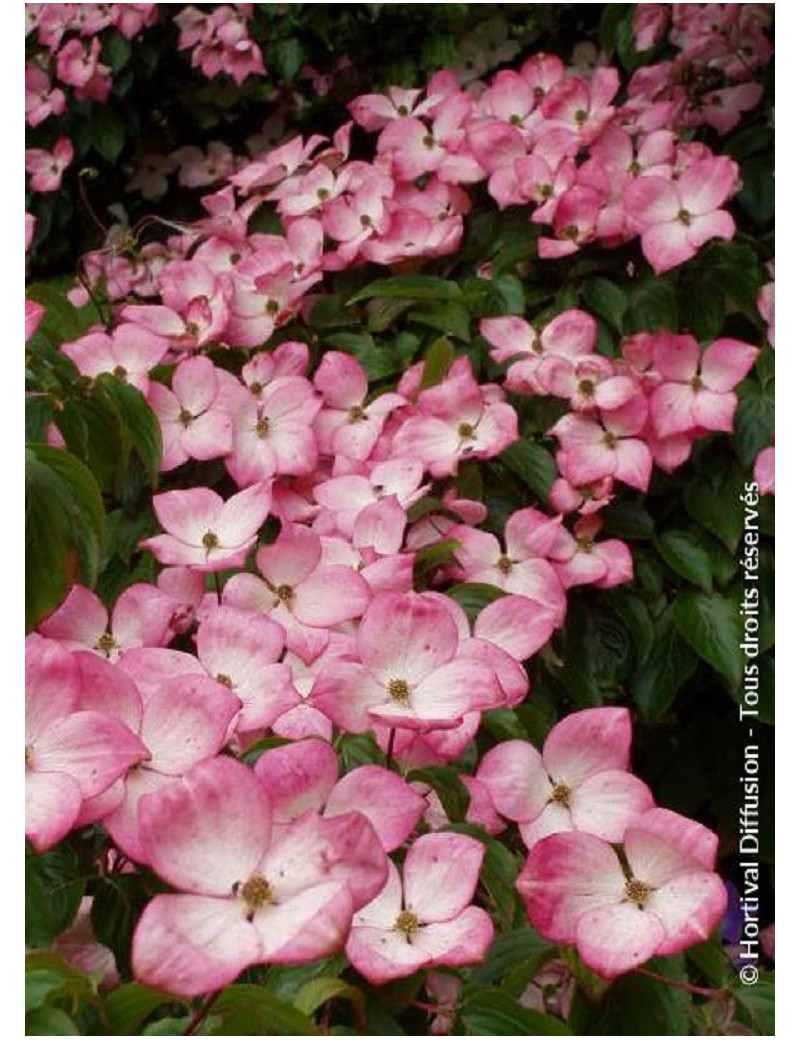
{"type": "Point", "coordinates": [141, 617]}
{"type": "Point", "coordinates": [204, 531]}
{"type": "Point", "coordinates": [698, 391]}
{"type": "Point", "coordinates": [591, 450]}
{"type": "Point", "coordinates": [41, 100]}
{"type": "Point", "coordinates": [129, 353]}
{"type": "Point", "coordinates": [409, 674]}
{"type": "Point", "coordinates": [244, 897]}
{"type": "Point", "coordinates": [47, 168]}
{"type": "Point", "coordinates": [579, 782]}
{"type": "Point", "coordinates": [426, 918]}
{"type": "Point", "coordinates": [665, 899]}
{"type": "Point", "coordinates": [194, 423]}
{"type": "Point", "coordinates": [349, 425]}
{"type": "Point", "coordinates": [678, 217]}
{"type": "Point", "coordinates": [70, 754]}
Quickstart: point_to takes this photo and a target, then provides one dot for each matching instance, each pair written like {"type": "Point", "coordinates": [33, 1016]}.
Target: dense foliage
{"type": "Point", "coordinates": [399, 519]}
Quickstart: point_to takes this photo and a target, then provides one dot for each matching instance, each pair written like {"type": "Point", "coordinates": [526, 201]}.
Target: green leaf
{"type": "Point", "coordinates": [606, 299]}
{"type": "Point", "coordinates": [108, 132]}
{"type": "Point", "coordinates": [653, 307]}
{"type": "Point", "coordinates": [118, 901]}
{"type": "Point", "coordinates": [714, 504]}
{"type": "Point", "coordinates": [128, 1006]}
{"type": "Point", "coordinates": [490, 1012]}
{"type": "Point", "coordinates": [474, 596]}
{"type": "Point", "coordinates": [610, 19]}
{"type": "Point", "coordinates": [754, 424]}
{"type": "Point", "coordinates": [438, 359]}
{"type": "Point", "coordinates": [633, 612]}
{"type": "Point", "coordinates": [635, 1006]}
{"type": "Point", "coordinates": [50, 1021]}
{"type": "Point", "coordinates": [38, 416]}
{"type": "Point", "coordinates": [447, 316]}
{"type": "Point", "coordinates": [533, 464]}
{"type": "Point", "coordinates": [409, 286]}
{"type": "Point", "coordinates": [53, 893]}
{"type": "Point", "coordinates": [319, 991]}
{"type": "Point", "coordinates": [757, 197]}
{"type": "Point", "coordinates": [628, 521]}
{"type": "Point", "coordinates": [447, 783]}
{"type": "Point", "coordinates": [710, 623]}
{"type": "Point", "coordinates": [62, 321]}
{"type": "Point", "coordinates": [758, 1002]}
{"type": "Point", "coordinates": [687, 557]}
{"type": "Point", "coordinates": [510, 950]}
{"type": "Point", "coordinates": [250, 1010]}
{"type": "Point", "coordinates": [670, 663]}
{"type": "Point", "coordinates": [287, 56]}
{"type": "Point", "coordinates": [499, 872]}
{"type": "Point", "coordinates": [139, 419]}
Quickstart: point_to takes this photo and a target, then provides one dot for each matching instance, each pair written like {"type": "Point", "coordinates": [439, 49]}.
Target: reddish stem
{"type": "Point", "coordinates": [699, 991]}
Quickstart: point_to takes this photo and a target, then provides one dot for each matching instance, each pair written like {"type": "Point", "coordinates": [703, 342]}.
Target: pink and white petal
{"type": "Point", "coordinates": [515, 623]}
{"type": "Point", "coordinates": [382, 911]}
{"type": "Point", "coordinates": [190, 945]}
{"type": "Point", "coordinates": [712, 225]}
{"type": "Point", "coordinates": [634, 463]}
{"type": "Point", "coordinates": [714, 411]}
{"type": "Point", "coordinates": [689, 908]}
{"type": "Point", "coordinates": [510, 336]}
{"type": "Point", "coordinates": [341, 380]}
{"type": "Point", "coordinates": [330, 595]}
{"type": "Point", "coordinates": [565, 876]}
{"type": "Point", "coordinates": [91, 748]}
{"type": "Point", "coordinates": [515, 777]}
{"type": "Point", "coordinates": [175, 553]}
{"type": "Point", "coordinates": [151, 667]}
{"type": "Point", "coordinates": [346, 692]}
{"type": "Point", "coordinates": [607, 803]}
{"type": "Point", "coordinates": [292, 557]}
{"type": "Point", "coordinates": [725, 364]}
{"type": "Point", "coordinates": [298, 777]}
{"type": "Point", "coordinates": [463, 939]}
{"type": "Point", "coordinates": [440, 875]}
{"type": "Point", "coordinates": [406, 637]}
{"type": "Point", "coordinates": [458, 687]}
{"type": "Point", "coordinates": [707, 184]}
{"type": "Point", "coordinates": [243, 514]}
{"type": "Point", "coordinates": [186, 721]}
{"type": "Point", "coordinates": [141, 616]}
{"type": "Point", "coordinates": [672, 409]}
{"type": "Point", "coordinates": [194, 383]}
{"type": "Point", "coordinates": [381, 526]}
{"type": "Point", "coordinates": [52, 804]}
{"type": "Point", "coordinates": [392, 807]}
{"type": "Point", "coordinates": [108, 689]}
{"type": "Point", "coordinates": [666, 245]}
{"type": "Point", "coordinates": [208, 436]}
{"type": "Point", "coordinates": [79, 621]}
{"type": "Point", "coordinates": [188, 514]}
{"type": "Point", "coordinates": [587, 742]}
{"type": "Point", "coordinates": [122, 821]}
{"type": "Point", "coordinates": [570, 334]}
{"type": "Point", "coordinates": [677, 358]}
{"type": "Point", "coordinates": [694, 841]}
{"type": "Point", "coordinates": [208, 830]}
{"type": "Point", "coordinates": [311, 924]}
{"type": "Point", "coordinates": [511, 676]}
{"type": "Point", "coordinates": [553, 819]}
{"type": "Point", "coordinates": [236, 642]}
{"type": "Point", "coordinates": [52, 685]}
{"type": "Point", "coordinates": [537, 580]}
{"type": "Point", "coordinates": [651, 201]}
{"type": "Point", "coordinates": [383, 954]}
{"type": "Point", "coordinates": [613, 940]}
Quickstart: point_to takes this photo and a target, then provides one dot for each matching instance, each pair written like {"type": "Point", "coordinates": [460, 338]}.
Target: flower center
{"type": "Point", "coordinates": [356, 413]}
{"type": "Point", "coordinates": [586, 387]}
{"type": "Point", "coordinates": [106, 643]}
{"type": "Point", "coordinates": [610, 439]}
{"type": "Point", "coordinates": [684, 216]}
{"type": "Point", "coordinates": [262, 427]}
{"type": "Point", "coordinates": [255, 893]}
{"type": "Point", "coordinates": [637, 892]}
{"type": "Point", "coordinates": [399, 691]}
{"type": "Point", "coordinates": [28, 755]}
{"type": "Point", "coordinates": [209, 541]}
{"type": "Point", "coordinates": [185, 417]}
{"type": "Point", "coordinates": [466, 431]}
{"type": "Point", "coordinates": [429, 140]}
{"type": "Point", "coordinates": [561, 794]}
{"type": "Point", "coordinates": [256, 388]}
{"type": "Point", "coordinates": [284, 593]}
{"type": "Point", "coordinates": [697, 383]}
{"type": "Point", "coordinates": [272, 307]}
{"type": "Point", "coordinates": [225, 680]}
{"type": "Point", "coordinates": [571, 231]}
{"type": "Point", "coordinates": [504, 564]}
{"type": "Point", "coordinates": [407, 923]}
{"type": "Point", "coordinates": [323, 194]}
{"type": "Point", "coordinates": [120, 372]}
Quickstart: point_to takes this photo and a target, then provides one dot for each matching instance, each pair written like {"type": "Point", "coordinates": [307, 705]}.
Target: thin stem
{"type": "Point", "coordinates": [218, 587]}
{"type": "Point", "coordinates": [85, 199]}
{"type": "Point", "coordinates": [106, 320]}
{"type": "Point", "coordinates": [200, 1015]}
{"type": "Point", "coordinates": [390, 748]}
{"type": "Point", "coordinates": [699, 991]}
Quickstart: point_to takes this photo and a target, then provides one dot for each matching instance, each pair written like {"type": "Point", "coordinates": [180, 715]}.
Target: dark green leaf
{"type": "Point", "coordinates": [319, 991]}
{"type": "Point", "coordinates": [628, 521]}
{"type": "Point", "coordinates": [447, 316]}
{"type": "Point", "coordinates": [288, 56]}
{"type": "Point", "coordinates": [438, 359]}
{"type": "Point", "coordinates": [686, 556]}
{"type": "Point", "coordinates": [670, 663]}
{"type": "Point", "coordinates": [128, 1006]}
{"type": "Point", "coordinates": [653, 307]}
{"type": "Point", "coordinates": [139, 419]}
{"type": "Point", "coordinates": [606, 299]}
{"type": "Point", "coordinates": [511, 950]}
{"type": "Point", "coordinates": [754, 425]}
{"type": "Point", "coordinates": [758, 1002]}
{"type": "Point", "coordinates": [636, 617]}
{"type": "Point", "coordinates": [108, 132]}
{"type": "Point", "coordinates": [714, 504]}
{"type": "Point", "coordinates": [249, 1010]}
{"type": "Point", "coordinates": [409, 286]}
{"type": "Point", "coordinates": [53, 892]}
{"type": "Point", "coordinates": [710, 623]}
{"type": "Point", "coordinates": [50, 1021]}
{"type": "Point", "coordinates": [118, 901]}
{"type": "Point", "coordinates": [447, 783]}
{"type": "Point", "coordinates": [490, 1012]}
{"type": "Point", "coordinates": [533, 464]}
{"type": "Point", "coordinates": [635, 1006]}
{"type": "Point", "coordinates": [474, 596]}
